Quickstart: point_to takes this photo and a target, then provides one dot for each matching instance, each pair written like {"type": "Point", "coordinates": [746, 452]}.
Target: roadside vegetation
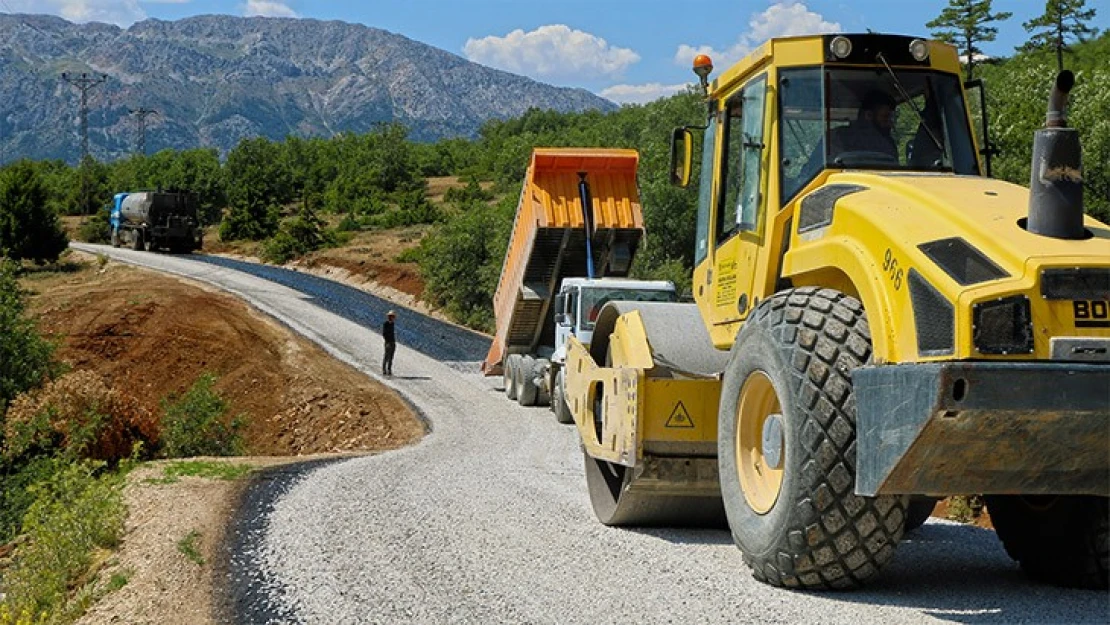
{"type": "Point", "coordinates": [283, 200]}
{"type": "Point", "coordinates": [67, 442]}
{"type": "Point", "coordinates": [68, 439]}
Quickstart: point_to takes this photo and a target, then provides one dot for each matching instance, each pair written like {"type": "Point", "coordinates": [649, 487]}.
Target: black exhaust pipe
{"type": "Point", "coordinates": [1056, 182]}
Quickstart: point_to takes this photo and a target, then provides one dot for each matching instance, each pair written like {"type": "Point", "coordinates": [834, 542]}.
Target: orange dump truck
{"type": "Point", "coordinates": [551, 284]}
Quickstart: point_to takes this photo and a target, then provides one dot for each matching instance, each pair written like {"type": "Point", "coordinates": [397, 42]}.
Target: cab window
{"type": "Point", "coordinates": [705, 190]}
{"type": "Point", "coordinates": [743, 157]}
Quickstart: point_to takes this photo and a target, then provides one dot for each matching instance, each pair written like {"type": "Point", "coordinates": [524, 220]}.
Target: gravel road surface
{"type": "Point", "coordinates": [487, 520]}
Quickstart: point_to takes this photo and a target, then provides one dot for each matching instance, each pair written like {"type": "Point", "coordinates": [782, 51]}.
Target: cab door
{"type": "Point", "coordinates": [741, 202]}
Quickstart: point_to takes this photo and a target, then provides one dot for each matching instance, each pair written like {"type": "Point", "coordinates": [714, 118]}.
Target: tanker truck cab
{"type": "Point", "coordinates": [877, 323]}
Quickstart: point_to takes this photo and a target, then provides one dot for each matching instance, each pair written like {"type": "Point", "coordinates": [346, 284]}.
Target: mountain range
{"type": "Point", "coordinates": [215, 80]}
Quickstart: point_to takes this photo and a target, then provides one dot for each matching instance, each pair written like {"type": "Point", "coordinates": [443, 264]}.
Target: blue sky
{"type": "Point", "coordinates": [626, 50]}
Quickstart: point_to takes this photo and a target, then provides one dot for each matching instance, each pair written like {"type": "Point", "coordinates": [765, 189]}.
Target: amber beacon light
{"type": "Point", "coordinates": [703, 66]}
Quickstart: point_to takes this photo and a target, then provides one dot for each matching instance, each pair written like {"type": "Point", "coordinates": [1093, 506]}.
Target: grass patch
{"type": "Point", "coordinates": [174, 471]}
{"type": "Point", "coordinates": [76, 517]}
{"type": "Point", "coordinates": [118, 580]}
{"type": "Point", "coordinates": [188, 548]}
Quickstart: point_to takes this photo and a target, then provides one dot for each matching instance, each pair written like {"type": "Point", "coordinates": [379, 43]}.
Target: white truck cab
{"type": "Point", "coordinates": [579, 300]}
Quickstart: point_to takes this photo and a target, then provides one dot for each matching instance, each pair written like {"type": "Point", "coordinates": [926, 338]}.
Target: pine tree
{"type": "Point", "coordinates": [28, 228]}
{"type": "Point", "coordinates": [963, 23]}
{"type": "Point", "coordinates": [1062, 20]}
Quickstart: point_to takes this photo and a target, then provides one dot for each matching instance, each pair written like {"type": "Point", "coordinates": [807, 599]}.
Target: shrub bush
{"type": "Point", "coordinates": [298, 236]}
{"type": "Point", "coordinates": [26, 359]}
{"type": "Point", "coordinates": [195, 424]}
{"type": "Point", "coordinates": [76, 510]}
{"type": "Point", "coordinates": [78, 416]}
{"type": "Point", "coordinates": [348, 224]}
{"type": "Point", "coordinates": [96, 229]}
{"type": "Point", "coordinates": [472, 192]}
{"type": "Point", "coordinates": [16, 496]}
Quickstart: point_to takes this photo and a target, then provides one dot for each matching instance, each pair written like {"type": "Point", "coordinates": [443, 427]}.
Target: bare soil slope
{"type": "Point", "coordinates": [153, 335]}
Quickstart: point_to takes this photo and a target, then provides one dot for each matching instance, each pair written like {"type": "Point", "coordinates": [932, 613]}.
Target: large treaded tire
{"type": "Point", "coordinates": [509, 367]}
{"type": "Point", "coordinates": [918, 511]}
{"type": "Point", "coordinates": [1061, 540]}
{"type": "Point", "coordinates": [526, 390]}
{"type": "Point", "coordinates": [818, 533]}
{"type": "Point", "coordinates": [137, 240]}
{"type": "Point", "coordinates": [559, 399]}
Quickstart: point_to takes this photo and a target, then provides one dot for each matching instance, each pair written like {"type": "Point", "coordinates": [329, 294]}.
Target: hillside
{"type": "Point", "coordinates": [217, 79]}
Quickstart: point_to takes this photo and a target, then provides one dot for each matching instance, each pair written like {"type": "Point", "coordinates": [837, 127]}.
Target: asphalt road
{"type": "Point", "coordinates": [487, 520]}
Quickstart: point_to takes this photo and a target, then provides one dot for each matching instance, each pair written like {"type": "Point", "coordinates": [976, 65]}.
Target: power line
{"type": "Point", "coordinates": [85, 83]}
{"type": "Point", "coordinates": [142, 114]}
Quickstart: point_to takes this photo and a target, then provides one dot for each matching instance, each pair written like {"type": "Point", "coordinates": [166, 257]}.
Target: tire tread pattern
{"type": "Point", "coordinates": [846, 538]}
{"type": "Point", "coordinates": [1066, 544]}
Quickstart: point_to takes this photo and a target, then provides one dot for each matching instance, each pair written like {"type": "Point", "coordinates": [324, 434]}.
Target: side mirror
{"type": "Point", "coordinates": [682, 146]}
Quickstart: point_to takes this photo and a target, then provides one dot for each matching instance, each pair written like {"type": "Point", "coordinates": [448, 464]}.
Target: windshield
{"type": "Point", "coordinates": [594, 299]}
{"type": "Point", "coordinates": [871, 118]}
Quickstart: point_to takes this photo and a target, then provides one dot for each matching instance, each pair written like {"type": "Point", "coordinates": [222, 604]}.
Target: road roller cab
{"type": "Point", "coordinates": [877, 322]}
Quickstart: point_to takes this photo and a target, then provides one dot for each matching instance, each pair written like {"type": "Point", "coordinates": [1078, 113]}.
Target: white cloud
{"type": "Point", "coordinates": [121, 12]}
{"type": "Point", "coordinates": [640, 94]}
{"type": "Point", "coordinates": [268, 8]}
{"type": "Point", "coordinates": [782, 19]}
{"type": "Point", "coordinates": [551, 51]}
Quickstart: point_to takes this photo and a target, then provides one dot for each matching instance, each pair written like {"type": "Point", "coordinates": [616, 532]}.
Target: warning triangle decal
{"type": "Point", "coordinates": [680, 418]}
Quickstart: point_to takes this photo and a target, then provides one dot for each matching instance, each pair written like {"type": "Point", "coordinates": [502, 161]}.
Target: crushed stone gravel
{"type": "Point", "coordinates": [487, 521]}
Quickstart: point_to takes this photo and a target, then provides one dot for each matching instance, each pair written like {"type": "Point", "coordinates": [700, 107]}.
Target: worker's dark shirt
{"type": "Point", "coordinates": [387, 332]}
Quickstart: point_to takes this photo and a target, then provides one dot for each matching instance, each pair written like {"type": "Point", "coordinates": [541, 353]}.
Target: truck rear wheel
{"type": "Point", "coordinates": [559, 399]}
{"type": "Point", "coordinates": [918, 511]}
{"type": "Point", "coordinates": [512, 361]}
{"type": "Point", "coordinates": [526, 390]}
{"type": "Point", "coordinates": [137, 240]}
{"type": "Point", "coordinates": [786, 446]}
{"type": "Point", "coordinates": [1062, 540]}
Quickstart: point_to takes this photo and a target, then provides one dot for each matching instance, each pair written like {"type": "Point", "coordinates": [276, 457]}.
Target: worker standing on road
{"type": "Point", "coordinates": [390, 343]}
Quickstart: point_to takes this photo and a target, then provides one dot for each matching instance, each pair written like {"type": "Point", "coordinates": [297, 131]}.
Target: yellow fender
{"type": "Point", "coordinates": [653, 375]}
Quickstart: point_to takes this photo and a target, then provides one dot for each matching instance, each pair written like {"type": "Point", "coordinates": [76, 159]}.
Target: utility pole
{"type": "Point", "coordinates": [85, 83]}
{"type": "Point", "coordinates": [142, 113]}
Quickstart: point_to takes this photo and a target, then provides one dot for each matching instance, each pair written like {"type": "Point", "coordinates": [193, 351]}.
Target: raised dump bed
{"type": "Point", "coordinates": [549, 240]}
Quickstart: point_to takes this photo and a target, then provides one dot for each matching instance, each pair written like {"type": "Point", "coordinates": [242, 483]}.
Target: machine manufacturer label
{"type": "Point", "coordinates": [1091, 313]}
{"type": "Point", "coordinates": [680, 418]}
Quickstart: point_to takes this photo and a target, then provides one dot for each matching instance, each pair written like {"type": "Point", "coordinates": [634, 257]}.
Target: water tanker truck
{"type": "Point", "coordinates": [156, 220]}
{"type": "Point", "coordinates": [577, 229]}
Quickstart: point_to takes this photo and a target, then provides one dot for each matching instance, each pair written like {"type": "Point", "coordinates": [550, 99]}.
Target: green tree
{"type": "Point", "coordinates": [258, 184]}
{"type": "Point", "coordinates": [1062, 20]}
{"type": "Point", "coordinates": [28, 229]}
{"type": "Point", "coordinates": [298, 236]}
{"type": "Point", "coordinates": [461, 261]}
{"type": "Point", "coordinates": [88, 188]}
{"type": "Point", "coordinates": [1018, 110]}
{"type": "Point", "coordinates": [963, 23]}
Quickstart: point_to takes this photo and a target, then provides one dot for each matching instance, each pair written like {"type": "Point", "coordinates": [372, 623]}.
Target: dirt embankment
{"type": "Point", "coordinates": [152, 336]}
